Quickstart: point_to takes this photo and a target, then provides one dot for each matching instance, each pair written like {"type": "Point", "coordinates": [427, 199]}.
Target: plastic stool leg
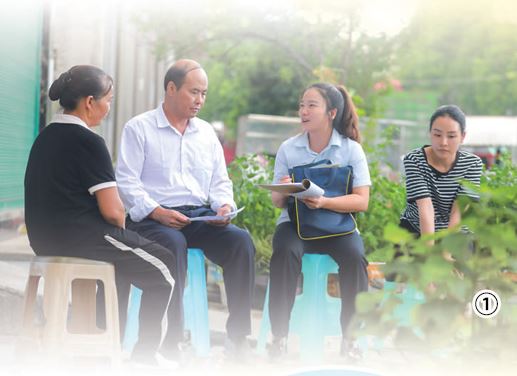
{"type": "Point", "coordinates": [265, 325]}
{"type": "Point", "coordinates": [195, 307]}
{"type": "Point", "coordinates": [132, 323]}
{"type": "Point", "coordinates": [195, 302]}
{"type": "Point", "coordinates": [314, 288]}
{"type": "Point", "coordinates": [315, 313]}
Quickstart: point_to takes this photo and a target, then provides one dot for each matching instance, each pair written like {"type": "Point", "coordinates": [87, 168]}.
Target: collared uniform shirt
{"type": "Point", "coordinates": [71, 119]}
{"type": "Point", "coordinates": [67, 164]}
{"type": "Point", "coordinates": [157, 165]}
{"type": "Point", "coordinates": [340, 150]}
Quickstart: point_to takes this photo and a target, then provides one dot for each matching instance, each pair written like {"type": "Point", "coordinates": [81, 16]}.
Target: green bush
{"type": "Point", "coordinates": [450, 272]}
{"type": "Point", "coordinates": [259, 217]}
{"type": "Point", "coordinates": [387, 198]}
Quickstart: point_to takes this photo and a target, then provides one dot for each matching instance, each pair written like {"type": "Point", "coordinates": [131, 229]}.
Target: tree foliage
{"type": "Point", "coordinates": [465, 52]}
{"type": "Point", "coordinates": [258, 60]}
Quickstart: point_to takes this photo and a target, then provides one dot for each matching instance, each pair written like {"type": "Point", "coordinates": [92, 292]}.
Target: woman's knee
{"type": "Point", "coordinates": [352, 250]}
{"type": "Point", "coordinates": [285, 250]}
{"type": "Point", "coordinates": [286, 242]}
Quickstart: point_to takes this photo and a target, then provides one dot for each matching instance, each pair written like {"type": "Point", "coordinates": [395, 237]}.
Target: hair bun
{"type": "Point", "coordinates": [58, 86]}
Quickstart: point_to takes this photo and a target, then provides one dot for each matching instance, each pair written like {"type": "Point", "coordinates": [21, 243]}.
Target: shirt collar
{"type": "Point", "coordinates": [163, 122]}
{"type": "Point", "coordinates": [335, 139]}
{"type": "Point", "coordinates": [69, 119]}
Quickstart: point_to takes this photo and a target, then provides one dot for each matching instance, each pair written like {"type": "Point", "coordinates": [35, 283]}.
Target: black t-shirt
{"type": "Point", "coordinates": [65, 163]}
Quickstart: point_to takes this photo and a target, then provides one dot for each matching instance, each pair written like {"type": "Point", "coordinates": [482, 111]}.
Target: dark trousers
{"type": "Point", "coordinates": [286, 266]}
{"type": "Point", "coordinates": [137, 261]}
{"type": "Point", "coordinates": [229, 247]}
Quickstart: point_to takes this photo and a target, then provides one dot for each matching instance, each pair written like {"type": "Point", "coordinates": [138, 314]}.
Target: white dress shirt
{"type": "Point", "coordinates": [157, 165]}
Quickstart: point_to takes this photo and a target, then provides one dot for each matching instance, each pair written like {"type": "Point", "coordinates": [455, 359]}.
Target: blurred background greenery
{"type": "Point", "coordinates": [402, 57]}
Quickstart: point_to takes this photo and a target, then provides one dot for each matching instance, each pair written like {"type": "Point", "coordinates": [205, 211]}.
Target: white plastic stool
{"type": "Point", "coordinates": [75, 278]}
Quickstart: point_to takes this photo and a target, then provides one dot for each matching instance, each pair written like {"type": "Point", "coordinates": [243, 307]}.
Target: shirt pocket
{"type": "Point", "coordinates": [202, 168]}
{"type": "Point", "coordinates": [202, 177]}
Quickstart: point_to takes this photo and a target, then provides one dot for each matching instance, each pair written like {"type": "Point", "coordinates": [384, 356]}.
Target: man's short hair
{"type": "Point", "coordinates": [178, 71]}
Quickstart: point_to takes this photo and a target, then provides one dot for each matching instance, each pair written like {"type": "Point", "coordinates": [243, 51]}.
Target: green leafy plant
{"type": "Point", "coordinates": [448, 274]}
{"type": "Point", "coordinates": [259, 217]}
{"type": "Point", "coordinates": [387, 196]}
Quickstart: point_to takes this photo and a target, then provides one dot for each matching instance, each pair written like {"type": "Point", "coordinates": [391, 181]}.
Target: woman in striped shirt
{"type": "Point", "coordinates": [434, 174]}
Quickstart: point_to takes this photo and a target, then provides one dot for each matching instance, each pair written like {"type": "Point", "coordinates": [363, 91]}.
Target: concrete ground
{"type": "Point", "coordinates": [15, 254]}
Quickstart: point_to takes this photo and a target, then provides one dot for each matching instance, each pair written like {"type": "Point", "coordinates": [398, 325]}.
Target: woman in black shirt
{"type": "Point", "coordinates": [72, 206]}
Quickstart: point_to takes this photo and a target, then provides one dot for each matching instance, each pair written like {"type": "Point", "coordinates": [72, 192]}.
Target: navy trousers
{"type": "Point", "coordinates": [286, 266]}
{"type": "Point", "coordinates": [229, 247]}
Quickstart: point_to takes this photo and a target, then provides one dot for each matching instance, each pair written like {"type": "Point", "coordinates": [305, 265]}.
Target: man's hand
{"type": "Point", "coordinates": [169, 217]}
{"type": "Point", "coordinates": [223, 210]}
{"type": "Point", "coordinates": [315, 202]}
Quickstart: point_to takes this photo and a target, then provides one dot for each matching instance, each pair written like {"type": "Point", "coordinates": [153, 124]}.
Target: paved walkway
{"type": "Point", "coordinates": [15, 254]}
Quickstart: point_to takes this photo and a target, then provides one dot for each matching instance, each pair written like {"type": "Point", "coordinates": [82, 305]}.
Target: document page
{"type": "Point", "coordinates": [232, 214]}
{"type": "Point", "coordinates": [305, 188]}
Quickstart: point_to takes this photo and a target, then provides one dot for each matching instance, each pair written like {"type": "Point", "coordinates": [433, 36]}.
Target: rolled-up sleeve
{"type": "Point", "coordinates": [128, 173]}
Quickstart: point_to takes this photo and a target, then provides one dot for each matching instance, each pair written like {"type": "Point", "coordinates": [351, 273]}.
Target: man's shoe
{"type": "Point", "coordinates": [277, 349]}
{"type": "Point", "coordinates": [171, 352]}
{"type": "Point", "coordinates": [351, 351]}
{"type": "Point", "coordinates": [237, 350]}
{"type": "Point", "coordinates": [167, 364]}
{"type": "Point", "coordinates": [142, 359]}
{"type": "Point", "coordinates": [155, 362]}
{"type": "Point", "coordinates": [151, 360]}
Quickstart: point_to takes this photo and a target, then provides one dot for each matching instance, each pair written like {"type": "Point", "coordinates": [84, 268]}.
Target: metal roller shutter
{"type": "Point", "coordinates": [20, 62]}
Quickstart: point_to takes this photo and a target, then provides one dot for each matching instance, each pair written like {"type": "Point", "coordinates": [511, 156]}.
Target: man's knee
{"type": "Point", "coordinates": [242, 241]}
{"type": "Point", "coordinates": [168, 237]}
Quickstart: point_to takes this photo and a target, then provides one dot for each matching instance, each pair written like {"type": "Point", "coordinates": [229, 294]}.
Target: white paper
{"type": "Point", "coordinates": [230, 215]}
{"type": "Point", "coordinates": [299, 190]}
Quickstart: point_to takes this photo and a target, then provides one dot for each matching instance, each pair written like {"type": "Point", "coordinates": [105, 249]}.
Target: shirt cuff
{"type": "Point", "coordinates": [138, 213]}
{"type": "Point", "coordinates": [100, 186]}
{"type": "Point", "coordinates": [216, 205]}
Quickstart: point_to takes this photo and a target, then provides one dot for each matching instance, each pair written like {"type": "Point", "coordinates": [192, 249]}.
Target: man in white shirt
{"type": "Point", "coordinates": [171, 168]}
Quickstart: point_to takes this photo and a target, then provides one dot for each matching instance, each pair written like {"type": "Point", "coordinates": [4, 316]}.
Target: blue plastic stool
{"type": "Point", "coordinates": [315, 313]}
{"type": "Point", "coordinates": [195, 304]}
{"type": "Point", "coordinates": [410, 297]}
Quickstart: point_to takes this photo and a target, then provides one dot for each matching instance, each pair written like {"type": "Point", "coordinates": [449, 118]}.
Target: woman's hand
{"type": "Point", "coordinates": [285, 180]}
{"type": "Point", "coordinates": [315, 202]}
{"type": "Point", "coordinates": [280, 199]}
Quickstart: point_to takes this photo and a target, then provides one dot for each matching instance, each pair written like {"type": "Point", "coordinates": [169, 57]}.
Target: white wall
{"type": "Point", "coordinates": [103, 33]}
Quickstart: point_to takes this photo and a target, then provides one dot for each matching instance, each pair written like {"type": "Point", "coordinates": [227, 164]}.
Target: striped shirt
{"type": "Point", "coordinates": [423, 180]}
